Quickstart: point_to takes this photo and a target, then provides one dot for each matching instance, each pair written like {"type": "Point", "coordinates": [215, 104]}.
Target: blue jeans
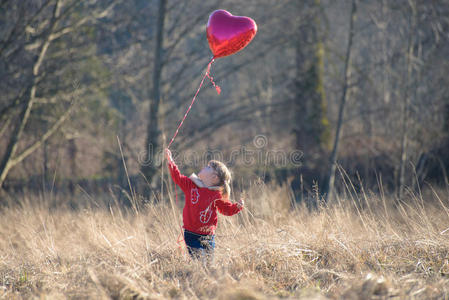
{"type": "Point", "coordinates": [199, 245]}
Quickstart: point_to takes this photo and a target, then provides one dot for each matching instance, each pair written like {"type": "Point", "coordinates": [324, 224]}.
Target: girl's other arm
{"type": "Point", "coordinates": [227, 208]}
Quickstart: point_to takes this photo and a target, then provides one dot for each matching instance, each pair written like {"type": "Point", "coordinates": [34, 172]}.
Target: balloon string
{"type": "Point", "coordinates": [181, 235]}
{"type": "Point", "coordinates": [194, 98]}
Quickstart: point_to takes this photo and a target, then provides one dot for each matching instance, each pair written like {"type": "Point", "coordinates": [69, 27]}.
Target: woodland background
{"type": "Point", "coordinates": [334, 121]}
{"type": "Point", "coordinates": [359, 88]}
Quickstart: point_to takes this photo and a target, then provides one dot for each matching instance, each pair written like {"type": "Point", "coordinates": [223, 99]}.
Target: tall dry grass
{"type": "Point", "coordinates": [358, 247]}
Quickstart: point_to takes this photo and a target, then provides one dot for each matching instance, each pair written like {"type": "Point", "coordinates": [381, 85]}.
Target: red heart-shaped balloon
{"type": "Point", "coordinates": [228, 34]}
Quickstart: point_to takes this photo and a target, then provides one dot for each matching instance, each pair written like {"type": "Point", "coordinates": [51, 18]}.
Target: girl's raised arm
{"type": "Point", "coordinates": [181, 180]}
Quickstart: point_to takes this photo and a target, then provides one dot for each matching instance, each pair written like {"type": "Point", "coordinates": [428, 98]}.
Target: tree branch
{"type": "Point", "coordinates": [30, 149]}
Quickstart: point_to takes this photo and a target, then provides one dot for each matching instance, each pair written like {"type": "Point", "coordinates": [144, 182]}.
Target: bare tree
{"type": "Point", "coordinates": [8, 162]}
{"type": "Point", "coordinates": [153, 132]}
{"type": "Point", "coordinates": [329, 186]}
{"type": "Point", "coordinates": [45, 30]}
{"type": "Point", "coordinates": [406, 102]}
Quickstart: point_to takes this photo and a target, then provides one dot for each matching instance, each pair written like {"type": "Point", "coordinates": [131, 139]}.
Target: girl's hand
{"type": "Point", "coordinates": [168, 155]}
{"type": "Point", "coordinates": [241, 201]}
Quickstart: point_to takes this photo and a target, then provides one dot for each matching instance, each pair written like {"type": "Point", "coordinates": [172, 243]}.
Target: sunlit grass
{"type": "Point", "coordinates": [357, 247]}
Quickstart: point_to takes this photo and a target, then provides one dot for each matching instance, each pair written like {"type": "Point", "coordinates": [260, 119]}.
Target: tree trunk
{"type": "Point", "coordinates": [45, 174]}
{"type": "Point", "coordinates": [406, 102]}
{"type": "Point", "coordinates": [153, 132]}
{"type": "Point", "coordinates": [329, 186]}
{"type": "Point", "coordinates": [312, 126]}
{"type": "Point", "coordinates": [72, 153]}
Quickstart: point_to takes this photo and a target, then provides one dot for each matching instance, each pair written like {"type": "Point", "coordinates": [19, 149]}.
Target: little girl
{"type": "Point", "coordinates": [204, 195]}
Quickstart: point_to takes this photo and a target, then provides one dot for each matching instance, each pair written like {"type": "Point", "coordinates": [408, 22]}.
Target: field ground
{"type": "Point", "coordinates": [360, 247]}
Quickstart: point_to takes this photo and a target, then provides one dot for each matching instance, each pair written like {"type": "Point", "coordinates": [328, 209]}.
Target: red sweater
{"type": "Point", "coordinates": [201, 204]}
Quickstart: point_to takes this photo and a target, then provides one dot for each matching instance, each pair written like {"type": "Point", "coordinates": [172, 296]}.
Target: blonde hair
{"type": "Point", "coordinates": [224, 176]}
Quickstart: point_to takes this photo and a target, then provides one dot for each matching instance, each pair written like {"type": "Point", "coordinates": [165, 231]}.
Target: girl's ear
{"type": "Point", "coordinates": [216, 178]}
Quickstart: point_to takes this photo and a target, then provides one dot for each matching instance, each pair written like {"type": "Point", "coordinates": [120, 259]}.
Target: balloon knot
{"type": "Point", "coordinates": [217, 88]}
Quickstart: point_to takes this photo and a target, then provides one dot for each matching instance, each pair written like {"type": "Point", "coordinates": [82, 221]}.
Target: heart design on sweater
{"type": "Point", "coordinates": [205, 215]}
{"type": "Point", "coordinates": [194, 195]}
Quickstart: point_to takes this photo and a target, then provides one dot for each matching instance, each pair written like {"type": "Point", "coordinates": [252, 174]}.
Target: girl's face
{"type": "Point", "coordinates": [208, 176]}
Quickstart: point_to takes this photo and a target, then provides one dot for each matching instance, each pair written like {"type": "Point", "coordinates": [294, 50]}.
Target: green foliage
{"type": "Point", "coordinates": [324, 126]}
{"type": "Point", "coordinates": [23, 277]}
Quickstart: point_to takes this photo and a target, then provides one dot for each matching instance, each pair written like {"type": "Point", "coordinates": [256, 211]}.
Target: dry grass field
{"type": "Point", "coordinates": [360, 247]}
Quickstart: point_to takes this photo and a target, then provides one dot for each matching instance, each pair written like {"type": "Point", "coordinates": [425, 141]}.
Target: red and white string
{"type": "Point", "coordinates": [194, 98]}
